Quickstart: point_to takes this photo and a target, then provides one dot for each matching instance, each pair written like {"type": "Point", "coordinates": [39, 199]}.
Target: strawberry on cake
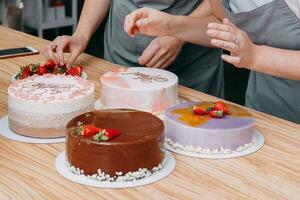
{"type": "Point", "coordinates": [41, 106]}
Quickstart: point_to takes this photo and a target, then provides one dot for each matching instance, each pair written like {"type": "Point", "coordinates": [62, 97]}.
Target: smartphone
{"type": "Point", "coordinates": [22, 51]}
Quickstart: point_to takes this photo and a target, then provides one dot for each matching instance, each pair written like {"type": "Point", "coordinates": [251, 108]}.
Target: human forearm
{"type": "Point", "coordinates": [92, 15]}
{"type": "Point", "coordinates": [192, 29]}
{"type": "Point", "coordinates": [277, 62]}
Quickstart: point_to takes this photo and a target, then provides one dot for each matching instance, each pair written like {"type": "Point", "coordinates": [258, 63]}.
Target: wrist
{"type": "Point", "coordinates": [255, 57]}
{"type": "Point", "coordinates": [175, 25]}
{"type": "Point", "coordinates": [82, 37]}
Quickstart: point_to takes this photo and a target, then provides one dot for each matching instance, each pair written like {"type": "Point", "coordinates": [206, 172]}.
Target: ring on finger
{"type": "Point", "coordinates": [236, 40]}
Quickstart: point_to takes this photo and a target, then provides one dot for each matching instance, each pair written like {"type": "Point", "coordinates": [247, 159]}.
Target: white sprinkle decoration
{"type": "Point", "coordinates": [130, 176]}
{"type": "Point", "coordinates": [208, 152]}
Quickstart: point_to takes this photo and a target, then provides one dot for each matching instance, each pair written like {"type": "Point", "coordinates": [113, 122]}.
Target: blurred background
{"type": "Point", "coordinates": [49, 18]}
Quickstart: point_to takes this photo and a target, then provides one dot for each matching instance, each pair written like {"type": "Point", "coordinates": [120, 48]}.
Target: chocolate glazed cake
{"type": "Point", "coordinates": [140, 147]}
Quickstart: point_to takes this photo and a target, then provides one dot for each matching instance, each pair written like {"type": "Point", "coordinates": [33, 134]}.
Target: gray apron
{"type": "Point", "coordinates": [272, 24]}
{"type": "Point", "coordinates": [198, 67]}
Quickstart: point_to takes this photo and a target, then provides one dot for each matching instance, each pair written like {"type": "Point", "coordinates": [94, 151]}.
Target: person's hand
{"type": "Point", "coordinates": [227, 36]}
{"type": "Point", "coordinates": [161, 52]}
{"type": "Point", "coordinates": [74, 45]}
{"type": "Point", "coordinates": [148, 21]}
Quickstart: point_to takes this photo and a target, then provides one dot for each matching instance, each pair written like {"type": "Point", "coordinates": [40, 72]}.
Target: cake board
{"type": "Point", "coordinates": [62, 168]}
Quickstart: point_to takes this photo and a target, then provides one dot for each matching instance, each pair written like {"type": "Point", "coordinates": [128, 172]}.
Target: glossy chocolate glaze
{"type": "Point", "coordinates": [141, 144]}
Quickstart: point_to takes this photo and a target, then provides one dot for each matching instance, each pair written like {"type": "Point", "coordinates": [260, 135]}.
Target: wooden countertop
{"type": "Point", "coordinates": [27, 170]}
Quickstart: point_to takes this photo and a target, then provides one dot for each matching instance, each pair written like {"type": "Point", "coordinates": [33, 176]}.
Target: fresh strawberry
{"type": "Point", "coordinates": [107, 134]}
{"type": "Point", "coordinates": [28, 70]}
{"type": "Point", "coordinates": [75, 71]}
{"type": "Point", "coordinates": [59, 69]}
{"type": "Point", "coordinates": [216, 113]}
{"type": "Point", "coordinates": [22, 75]}
{"type": "Point", "coordinates": [199, 111]}
{"type": "Point", "coordinates": [50, 65]}
{"type": "Point", "coordinates": [41, 70]}
{"type": "Point", "coordinates": [221, 106]}
{"type": "Point", "coordinates": [87, 130]}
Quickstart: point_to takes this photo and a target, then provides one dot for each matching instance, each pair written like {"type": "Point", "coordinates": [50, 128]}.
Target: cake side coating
{"type": "Point", "coordinates": [141, 144]}
{"type": "Point", "coordinates": [151, 90]}
{"type": "Point", "coordinates": [230, 132]}
{"type": "Point", "coordinates": [41, 106]}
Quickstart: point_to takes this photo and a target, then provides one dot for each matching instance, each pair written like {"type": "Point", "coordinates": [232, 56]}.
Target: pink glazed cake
{"type": "Point", "coordinates": [186, 131]}
{"type": "Point", "coordinates": [41, 106]}
{"type": "Point", "coordinates": [147, 89]}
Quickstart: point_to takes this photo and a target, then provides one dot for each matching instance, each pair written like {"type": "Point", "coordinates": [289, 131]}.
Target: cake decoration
{"type": "Point", "coordinates": [54, 99]}
{"type": "Point", "coordinates": [130, 147]}
{"type": "Point", "coordinates": [147, 89]}
{"type": "Point", "coordinates": [98, 134]}
{"type": "Point", "coordinates": [147, 78]}
{"type": "Point", "coordinates": [48, 67]}
{"type": "Point", "coordinates": [203, 127]}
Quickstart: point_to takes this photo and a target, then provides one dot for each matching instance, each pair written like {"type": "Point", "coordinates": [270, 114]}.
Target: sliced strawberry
{"type": "Point", "coordinates": [75, 71]}
{"type": "Point", "coordinates": [221, 106]}
{"type": "Point", "coordinates": [199, 111]}
{"type": "Point", "coordinates": [41, 70]}
{"type": "Point", "coordinates": [107, 134]}
{"type": "Point", "coordinates": [216, 113]}
{"type": "Point", "coordinates": [50, 65]}
{"type": "Point", "coordinates": [87, 130]}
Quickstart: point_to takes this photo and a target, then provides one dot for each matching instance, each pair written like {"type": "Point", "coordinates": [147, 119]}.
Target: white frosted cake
{"type": "Point", "coordinates": [147, 89]}
{"type": "Point", "coordinates": [41, 106]}
{"type": "Point", "coordinates": [203, 134]}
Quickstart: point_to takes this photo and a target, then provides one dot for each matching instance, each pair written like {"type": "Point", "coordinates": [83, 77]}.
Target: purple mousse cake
{"type": "Point", "coordinates": [202, 133]}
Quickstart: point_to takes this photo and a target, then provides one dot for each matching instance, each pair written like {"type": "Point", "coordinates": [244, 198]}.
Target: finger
{"type": "Point", "coordinates": [148, 53]}
{"type": "Point", "coordinates": [168, 62]}
{"type": "Point", "coordinates": [72, 58]}
{"type": "Point", "coordinates": [227, 22]}
{"type": "Point", "coordinates": [135, 16]}
{"type": "Point", "coordinates": [143, 24]}
{"type": "Point", "coordinates": [60, 54]}
{"type": "Point", "coordinates": [222, 35]}
{"type": "Point", "coordinates": [235, 60]}
{"type": "Point", "coordinates": [221, 27]}
{"type": "Point", "coordinates": [49, 53]}
{"type": "Point", "coordinates": [159, 56]}
{"type": "Point", "coordinates": [160, 63]}
{"type": "Point", "coordinates": [229, 46]}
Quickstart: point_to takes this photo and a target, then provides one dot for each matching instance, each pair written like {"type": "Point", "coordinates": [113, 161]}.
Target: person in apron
{"type": "Point", "coordinates": [197, 67]}
{"type": "Point", "coordinates": [270, 91]}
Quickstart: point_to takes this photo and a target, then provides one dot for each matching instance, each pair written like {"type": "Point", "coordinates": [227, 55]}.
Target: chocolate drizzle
{"type": "Point", "coordinates": [37, 88]}
{"type": "Point", "coordinates": [147, 78]}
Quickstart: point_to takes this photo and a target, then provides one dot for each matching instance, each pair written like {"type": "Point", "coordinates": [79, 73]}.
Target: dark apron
{"type": "Point", "coordinates": [273, 24]}
{"type": "Point", "coordinates": [198, 67]}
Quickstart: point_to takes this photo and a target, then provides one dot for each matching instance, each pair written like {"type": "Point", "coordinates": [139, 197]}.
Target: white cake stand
{"type": "Point", "coordinates": [62, 168]}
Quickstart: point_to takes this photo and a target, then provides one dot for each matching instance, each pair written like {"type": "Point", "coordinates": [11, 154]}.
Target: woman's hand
{"type": "Point", "coordinates": [161, 52]}
{"type": "Point", "coordinates": [148, 21]}
{"type": "Point", "coordinates": [227, 36]}
{"type": "Point", "coordinates": [74, 45]}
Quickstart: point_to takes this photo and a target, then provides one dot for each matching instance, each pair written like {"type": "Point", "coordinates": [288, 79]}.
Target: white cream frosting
{"type": "Point", "coordinates": [140, 88]}
{"type": "Point", "coordinates": [52, 94]}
